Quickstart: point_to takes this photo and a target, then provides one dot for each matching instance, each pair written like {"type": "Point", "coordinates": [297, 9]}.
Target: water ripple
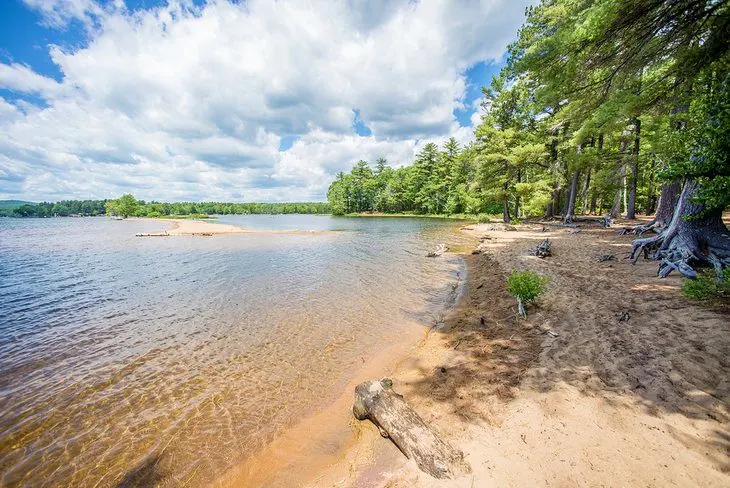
{"type": "Point", "coordinates": [193, 352]}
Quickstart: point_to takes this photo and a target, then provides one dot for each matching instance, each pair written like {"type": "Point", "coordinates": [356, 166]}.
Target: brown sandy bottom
{"type": "Point", "coordinates": [203, 228]}
{"type": "Point", "coordinates": [642, 402]}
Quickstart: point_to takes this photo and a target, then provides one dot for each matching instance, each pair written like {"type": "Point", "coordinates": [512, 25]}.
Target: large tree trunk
{"type": "Point", "coordinates": [665, 210]}
{"type": "Point", "coordinates": [549, 211]}
{"type": "Point", "coordinates": [505, 212]}
{"type": "Point", "coordinates": [505, 198]}
{"type": "Point", "coordinates": [585, 191]}
{"type": "Point", "coordinates": [570, 212]}
{"type": "Point", "coordinates": [631, 207]}
{"type": "Point", "coordinates": [376, 400]}
{"type": "Point", "coordinates": [594, 195]}
{"type": "Point", "coordinates": [667, 202]}
{"type": "Point", "coordinates": [553, 204]}
{"type": "Point", "coordinates": [616, 208]}
{"type": "Point", "coordinates": [592, 208]}
{"type": "Point", "coordinates": [695, 236]}
{"type": "Point", "coordinates": [621, 189]}
{"type": "Point", "coordinates": [517, 196]}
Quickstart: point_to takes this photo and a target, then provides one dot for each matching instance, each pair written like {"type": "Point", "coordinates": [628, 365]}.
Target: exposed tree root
{"type": "Point", "coordinates": [693, 238]}
{"type": "Point", "coordinates": [639, 230]}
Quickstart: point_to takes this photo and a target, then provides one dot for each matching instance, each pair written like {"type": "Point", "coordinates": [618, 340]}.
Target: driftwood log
{"type": "Point", "coordinates": [542, 250]}
{"type": "Point", "coordinates": [376, 401]}
{"type": "Point", "coordinates": [552, 224]}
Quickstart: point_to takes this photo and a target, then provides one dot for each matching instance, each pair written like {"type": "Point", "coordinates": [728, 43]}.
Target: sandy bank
{"type": "Point", "coordinates": [605, 403]}
{"type": "Point", "coordinates": [184, 227]}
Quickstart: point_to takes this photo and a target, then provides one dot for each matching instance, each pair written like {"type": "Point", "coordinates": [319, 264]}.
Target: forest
{"type": "Point", "coordinates": [607, 107]}
{"type": "Point", "coordinates": [128, 206]}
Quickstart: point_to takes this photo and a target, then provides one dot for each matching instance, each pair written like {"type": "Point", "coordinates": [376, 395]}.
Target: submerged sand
{"type": "Point", "coordinates": [184, 227]}
{"type": "Point", "coordinates": [596, 402]}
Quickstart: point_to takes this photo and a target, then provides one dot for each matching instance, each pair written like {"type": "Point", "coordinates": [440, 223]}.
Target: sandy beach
{"type": "Point", "coordinates": [598, 401]}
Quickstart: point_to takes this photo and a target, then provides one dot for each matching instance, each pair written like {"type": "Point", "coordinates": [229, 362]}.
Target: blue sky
{"type": "Point", "coordinates": [261, 100]}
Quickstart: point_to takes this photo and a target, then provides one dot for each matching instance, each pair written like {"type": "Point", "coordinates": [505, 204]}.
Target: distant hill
{"type": "Point", "coordinates": [14, 203]}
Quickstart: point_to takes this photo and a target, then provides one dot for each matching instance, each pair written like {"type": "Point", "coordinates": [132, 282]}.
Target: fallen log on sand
{"type": "Point", "coordinates": [542, 250]}
{"type": "Point", "coordinates": [558, 225]}
{"type": "Point", "coordinates": [376, 400]}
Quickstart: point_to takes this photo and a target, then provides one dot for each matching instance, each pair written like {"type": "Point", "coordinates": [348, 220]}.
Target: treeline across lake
{"type": "Point", "coordinates": [63, 208]}
{"type": "Point", "coordinates": [128, 206]}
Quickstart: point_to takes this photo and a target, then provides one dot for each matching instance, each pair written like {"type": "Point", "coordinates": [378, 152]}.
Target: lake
{"type": "Point", "coordinates": [188, 354]}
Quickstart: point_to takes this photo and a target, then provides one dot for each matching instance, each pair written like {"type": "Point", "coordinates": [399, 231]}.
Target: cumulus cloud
{"type": "Point", "coordinates": [22, 79]}
{"type": "Point", "coordinates": [58, 13]}
{"type": "Point", "coordinates": [185, 102]}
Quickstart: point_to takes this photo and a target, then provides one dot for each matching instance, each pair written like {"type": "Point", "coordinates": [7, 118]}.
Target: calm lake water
{"type": "Point", "coordinates": [127, 361]}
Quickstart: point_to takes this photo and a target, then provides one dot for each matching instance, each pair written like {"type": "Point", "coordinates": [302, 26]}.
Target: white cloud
{"type": "Point", "coordinates": [181, 102]}
{"type": "Point", "coordinates": [58, 13]}
{"type": "Point", "coordinates": [22, 79]}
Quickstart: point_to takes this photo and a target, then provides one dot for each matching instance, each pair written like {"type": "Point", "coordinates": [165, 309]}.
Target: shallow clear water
{"type": "Point", "coordinates": [130, 360]}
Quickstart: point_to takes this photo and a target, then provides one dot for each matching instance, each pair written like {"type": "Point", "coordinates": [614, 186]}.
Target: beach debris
{"type": "Point", "coordinates": [376, 401]}
{"type": "Point", "coordinates": [606, 257]}
{"type": "Point", "coordinates": [482, 248]}
{"type": "Point", "coordinates": [440, 249]}
{"type": "Point", "coordinates": [542, 250]}
{"type": "Point", "coordinates": [152, 234]}
{"type": "Point", "coordinates": [624, 317]}
{"type": "Point", "coordinates": [638, 230]}
{"type": "Point", "coordinates": [500, 227]}
{"type": "Point", "coordinates": [547, 331]}
{"type": "Point", "coordinates": [554, 224]}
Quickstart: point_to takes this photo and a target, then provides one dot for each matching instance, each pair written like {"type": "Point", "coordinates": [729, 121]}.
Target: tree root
{"type": "Point", "coordinates": [639, 230]}
{"type": "Point", "coordinates": [680, 252]}
{"type": "Point", "coordinates": [694, 237]}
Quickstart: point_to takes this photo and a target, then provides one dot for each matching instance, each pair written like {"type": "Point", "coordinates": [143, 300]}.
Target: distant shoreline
{"type": "Point", "coordinates": [188, 227]}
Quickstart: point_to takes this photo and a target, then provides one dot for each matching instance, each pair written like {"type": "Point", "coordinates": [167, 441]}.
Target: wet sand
{"type": "Point", "coordinates": [598, 402]}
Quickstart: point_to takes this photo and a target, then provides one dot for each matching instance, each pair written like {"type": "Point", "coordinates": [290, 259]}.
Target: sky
{"type": "Point", "coordinates": [222, 100]}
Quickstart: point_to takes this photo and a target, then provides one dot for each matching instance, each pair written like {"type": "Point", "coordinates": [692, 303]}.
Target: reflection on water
{"type": "Point", "coordinates": [167, 360]}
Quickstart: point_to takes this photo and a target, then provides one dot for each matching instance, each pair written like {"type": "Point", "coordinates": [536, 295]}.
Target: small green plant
{"type": "Point", "coordinates": [707, 287]}
{"type": "Point", "coordinates": [483, 218]}
{"type": "Point", "coordinates": [525, 286]}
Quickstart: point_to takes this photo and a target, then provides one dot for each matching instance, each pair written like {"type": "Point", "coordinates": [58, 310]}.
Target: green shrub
{"type": "Point", "coordinates": [706, 286]}
{"type": "Point", "coordinates": [483, 218]}
{"type": "Point", "coordinates": [525, 286]}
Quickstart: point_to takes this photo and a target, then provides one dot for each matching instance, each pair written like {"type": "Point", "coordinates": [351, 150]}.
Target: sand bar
{"type": "Point", "coordinates": [203, 228]}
